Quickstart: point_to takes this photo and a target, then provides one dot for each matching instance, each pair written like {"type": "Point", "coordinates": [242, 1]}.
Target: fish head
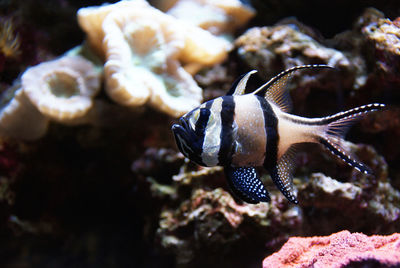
{"type": "Point", "coordinates": [190, 132]}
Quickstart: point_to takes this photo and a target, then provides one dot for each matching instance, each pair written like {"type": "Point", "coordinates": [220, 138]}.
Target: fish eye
{"type": "Point", "coordinates": [203, 114]}
{"type": "Point", "coordinates": [196, 115]}
{"type": "Point", "coordinates": [210, 117]}
{"type": "Point", "coordinates": [206, 117]}
{"type": "Point", "coordinates": [193, 118]}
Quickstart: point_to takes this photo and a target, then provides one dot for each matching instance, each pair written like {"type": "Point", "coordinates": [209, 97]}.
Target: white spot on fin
{"type": "Point", "coordinates": [285, 177]}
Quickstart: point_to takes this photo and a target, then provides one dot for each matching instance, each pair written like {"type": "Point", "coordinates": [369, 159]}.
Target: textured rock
{"type": "Point", "coordinates": [366, 56]}
{"type": "Point", "coordinates": [369, 206]}
{"type": "Point", "coordinates": [384, 37]}
{"type": "Point", "coordinates": [212, 220]}
{"type": "Point", "coordinates": [374, 44]}
{"type": "Point", "coordinates": [272, 49]}
{"type": "Point", "coordinates": [338, 250]}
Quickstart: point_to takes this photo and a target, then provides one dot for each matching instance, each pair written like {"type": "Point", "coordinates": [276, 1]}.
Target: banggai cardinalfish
{"type": "Point", "coordinates": [242, 131]}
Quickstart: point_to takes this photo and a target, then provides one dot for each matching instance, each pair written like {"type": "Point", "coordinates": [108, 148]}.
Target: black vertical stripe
{"type": "Point", "coordinates": [196, 138]}
{"type": "Point", "coordinates": [202, 121]}
{"type": "Point", "coordinates": [227, 117]}
{"type": "Point", "coordinates": [271, 129]}
{"type": "Point", "coordinates": [271, 153]}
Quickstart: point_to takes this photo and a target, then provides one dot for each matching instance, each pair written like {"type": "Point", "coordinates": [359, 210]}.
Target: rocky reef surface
{"type": "Point", "coordinates": [106, 186]}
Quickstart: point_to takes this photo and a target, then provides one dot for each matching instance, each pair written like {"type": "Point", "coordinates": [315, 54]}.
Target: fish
{"type": "Point", "coordinates": [241, 132]}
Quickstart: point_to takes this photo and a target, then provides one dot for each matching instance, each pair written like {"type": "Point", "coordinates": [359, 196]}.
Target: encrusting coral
{"type": "Point", "coordinates": [62, 89]}
{"type": "Point", "coordinates": [143, 49]}
{"type": "Point", "coordinates": [338, 250]}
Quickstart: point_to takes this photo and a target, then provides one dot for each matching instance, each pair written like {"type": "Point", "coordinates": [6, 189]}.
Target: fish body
{"type": "Point", "coordinates": [243, 131]}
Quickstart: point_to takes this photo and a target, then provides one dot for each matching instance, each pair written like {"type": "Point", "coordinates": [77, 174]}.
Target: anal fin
{"type": "Point", "coordinates": [281, 175]}
{"type": "Point", "coordinates": [336, 147]}
{"type": "Point", "coordinates": [335, 128]}
{"type": "Point", "coordinates": [246, 185]}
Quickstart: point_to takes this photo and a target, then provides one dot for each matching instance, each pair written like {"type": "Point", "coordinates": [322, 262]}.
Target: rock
{"type": "Point", "coordinates": [338, 250]}
{"type": "Point", "coordinates": [383, 35]}
{"type": "Point", "coordinates": [368, 206]}
{"type": "Point", "coordinates": [373, 42]}
{"type": "Point", "coordinates": [211, 219]}
{"type": "Point", "coordinates": [273, 49]}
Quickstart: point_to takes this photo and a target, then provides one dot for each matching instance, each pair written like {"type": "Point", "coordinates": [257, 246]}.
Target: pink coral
{"type": "Point", "coordinates": [337, 250]}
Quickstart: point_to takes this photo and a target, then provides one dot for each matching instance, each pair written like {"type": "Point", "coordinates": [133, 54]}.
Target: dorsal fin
{"type": "Point", "coordinates": [275, 89]}
{"type": "Point", "coordinates": [239, 86]}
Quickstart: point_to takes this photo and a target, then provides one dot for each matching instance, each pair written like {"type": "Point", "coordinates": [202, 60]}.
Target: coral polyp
{"type": "Point", "coordinates": [9, 39]}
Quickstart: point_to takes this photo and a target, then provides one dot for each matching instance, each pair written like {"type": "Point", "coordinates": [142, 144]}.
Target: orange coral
{"type": "Point", "coordinates": [9, 40]}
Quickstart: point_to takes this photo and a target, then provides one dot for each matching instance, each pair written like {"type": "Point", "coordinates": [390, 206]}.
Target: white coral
{"type": "Point", "coordinates": [62, 89]}
{"type": "Point", "coordinates": [217, 16]}
{"type": "Point", "coordinates": [91, 19]}
{"type": "Point", "coordinates": [142, 64]}
{"type": "Point", "coordinates": [19, 118]}
{"type": "Point", "coordinates": [143, 50]}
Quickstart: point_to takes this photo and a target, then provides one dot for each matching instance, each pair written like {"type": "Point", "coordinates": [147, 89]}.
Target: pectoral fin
{"type": "Point", "coordinates": [246, 185]}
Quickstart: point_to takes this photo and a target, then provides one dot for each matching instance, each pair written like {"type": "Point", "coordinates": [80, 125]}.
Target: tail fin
{"type": "Point", "coordinates": [336, 127]}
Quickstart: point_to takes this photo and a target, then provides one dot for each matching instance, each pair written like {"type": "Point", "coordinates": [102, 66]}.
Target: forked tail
{"type": "Point", "coordinates": [335, 127]}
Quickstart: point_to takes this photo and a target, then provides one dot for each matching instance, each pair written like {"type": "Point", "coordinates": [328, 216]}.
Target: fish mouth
{"type": "Point", "coordinates": [182, 137]}
{"type": "Point", "coordinates": [181, 129]}
{"type": "Point", "coordinates": [184, 123]}
{"type": "Point", "coordinates": [187, 140]}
